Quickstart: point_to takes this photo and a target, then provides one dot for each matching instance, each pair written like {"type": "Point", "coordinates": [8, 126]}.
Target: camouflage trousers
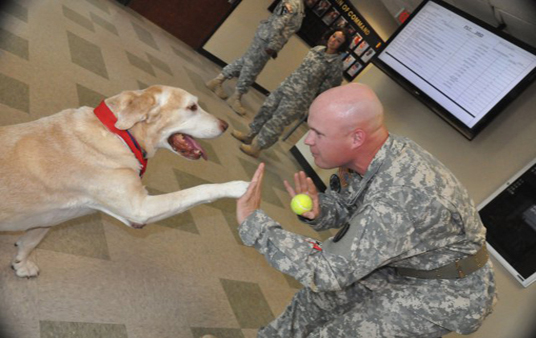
{"type": "Point", "coordinates": [355, 312]}
{"type": "Point", "coordinates": [277, 112]}
{"type": "Point", "coordinates": [248, 66]}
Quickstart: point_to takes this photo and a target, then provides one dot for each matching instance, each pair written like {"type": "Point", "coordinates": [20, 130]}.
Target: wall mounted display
{"type": "Point", "coordinates": [323, 15]}
{"type": "Point", "coordinates": [465, 70]}
{"type": "Point", "coordinates": [509, 216]}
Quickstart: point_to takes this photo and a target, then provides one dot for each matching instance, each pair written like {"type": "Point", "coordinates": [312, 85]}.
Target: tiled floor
{"type": "Point", "coordinates": [182, 277]}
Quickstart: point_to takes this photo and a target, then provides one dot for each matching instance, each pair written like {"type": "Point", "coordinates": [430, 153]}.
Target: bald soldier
{"type": "Point", "coordinates": [409, 258]}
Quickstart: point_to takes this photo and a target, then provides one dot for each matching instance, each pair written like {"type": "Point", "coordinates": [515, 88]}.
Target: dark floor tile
{"type": "Point", "coordinates": [248, 303]}
{"type": "Point", "coordinates": [145, 36]}
{"type": "Point", "coordinates": [78, 18]}
{"type": "Point", "coordinates": [142, 85]}
{"type": "Point", "coordinates": [88, 97]}
{"type": "Point", "coordinates": [230, 218]}
{"type": "Point", "coordinates": [292, 282]}
{"type": "Point", "coordinates": [50, 329]}
{"type": "Point", "coordinates": [209, 149]}
{"type": "Point", "coordinates": [183, 221]}
{"type": "Point", "coordinates": [188, 181]}
{"type": "Point", "coordinates": [183, 56]}
{"type": "Point", "coordinates": [198, 82]}
{"type": "Point", "coordinates": [159, 64]}
{"type": "Point", "coordinates": [240, 125]}
{"type": "Point", "coordinates": [104, 24]}
{"type": "Point", "coordinates": [87, 55]}
{"type": "Point", "coordinates": [14, 93]}
{"type": "Point", "coordinates": [102, 5]}
{"type": "Point", "coordinates": [14, 44]}
{"type": "Point", "coordinates": [271, 154]}
{"type": "Point", "coordinates": [82, 236]}
{"type": "Point", "coordinates": [140, 64]}
{"type": "Point", "coordinates": [226, 205]}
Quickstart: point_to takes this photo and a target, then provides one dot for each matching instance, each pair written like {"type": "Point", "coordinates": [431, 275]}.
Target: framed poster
{"type": "Point", "coordinates": [361, 48]}
{"type": "Point", "coordinates": [348, 61]}
{"type": "Point", "coordinates": [323, 15]}
{"type": "Point", "coordinates": [354, 69]}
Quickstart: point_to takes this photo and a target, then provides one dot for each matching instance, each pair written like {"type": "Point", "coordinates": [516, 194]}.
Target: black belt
{"type": "Point", "coordinates": [458, 269]}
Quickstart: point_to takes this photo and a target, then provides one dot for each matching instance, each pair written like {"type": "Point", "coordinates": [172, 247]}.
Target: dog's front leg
{"type": "Point", "coordinates": [21, 264]}
{"type": "Point", "coordinates": [152, 209]}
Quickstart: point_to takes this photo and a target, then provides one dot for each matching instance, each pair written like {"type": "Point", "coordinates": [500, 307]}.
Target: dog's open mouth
{"type": "Point", "coordinates": [187, 146]}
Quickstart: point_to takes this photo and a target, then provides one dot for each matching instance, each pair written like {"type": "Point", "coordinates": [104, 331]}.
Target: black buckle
{"type": "Point", "coordinates": [341, 233]}
{"type": "Point", "coordinates": [335, 183]}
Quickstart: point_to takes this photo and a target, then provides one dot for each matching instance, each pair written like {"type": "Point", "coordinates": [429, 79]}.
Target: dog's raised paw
{"type": "Point", "coordinates": [237, 188]}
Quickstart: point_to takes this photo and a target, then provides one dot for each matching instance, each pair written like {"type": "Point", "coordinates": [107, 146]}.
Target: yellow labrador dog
{"type": "Point", "coordinates": [84, 160]}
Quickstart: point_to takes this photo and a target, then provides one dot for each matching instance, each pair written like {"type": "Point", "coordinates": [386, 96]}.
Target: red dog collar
{"type": "Point", "coordinates": [105, 115]}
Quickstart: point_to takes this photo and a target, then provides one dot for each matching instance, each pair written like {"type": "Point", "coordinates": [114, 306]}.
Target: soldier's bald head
{"type": "Point", "coordinates": [347, 127]}
{"type": "Point", "coordinates": [350, 106]}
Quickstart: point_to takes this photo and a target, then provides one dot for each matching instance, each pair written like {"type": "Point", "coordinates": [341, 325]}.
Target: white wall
{"type": "Point", "coordinates": [482, 165]}
{"type": "Point", "coordinates": [236, 33]}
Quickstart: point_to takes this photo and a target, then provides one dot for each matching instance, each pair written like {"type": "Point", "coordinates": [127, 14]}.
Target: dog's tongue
{"type": "Point", "coordinates": [187, 146]}
{"type": "Point", "coordinates": [196, 146]}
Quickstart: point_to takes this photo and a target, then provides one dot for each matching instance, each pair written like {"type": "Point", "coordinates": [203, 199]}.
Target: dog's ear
{"type": "Point", "coordinates": [132, 107]}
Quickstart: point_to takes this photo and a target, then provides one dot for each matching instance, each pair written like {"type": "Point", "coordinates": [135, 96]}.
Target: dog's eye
{"type": "Point", "coordinates": [193, 107]}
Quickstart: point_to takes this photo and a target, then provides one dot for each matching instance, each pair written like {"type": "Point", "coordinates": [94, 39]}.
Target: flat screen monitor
{"type": "Point", "coordinates": [465, 70]}
{"type": "Point", "coordinates": [509, 216]}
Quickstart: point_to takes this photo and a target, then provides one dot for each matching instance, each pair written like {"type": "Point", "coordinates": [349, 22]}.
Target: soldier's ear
{"type": "Point", "coordinates": [358, 138]}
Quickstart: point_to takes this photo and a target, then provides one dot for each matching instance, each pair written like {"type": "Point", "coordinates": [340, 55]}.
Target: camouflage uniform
{"type": "Point", "coordinates": [407, 211]}
{"type": "Point", "coordinates": [271, 34]}
{"type": "Point", "coordinates": [317, 73]}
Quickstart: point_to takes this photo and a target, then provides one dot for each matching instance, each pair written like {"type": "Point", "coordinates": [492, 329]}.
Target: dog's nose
{"type": "Point", "coordinates": [223, 125]}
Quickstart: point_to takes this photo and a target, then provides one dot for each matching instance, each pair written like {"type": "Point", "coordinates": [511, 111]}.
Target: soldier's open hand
{"type": "Point", "coordinates": [251, 200]}
{"type": "Point", "coordinates": [304, 185]}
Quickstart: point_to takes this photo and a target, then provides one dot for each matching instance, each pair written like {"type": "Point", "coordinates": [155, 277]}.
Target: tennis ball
{"type": "Point", "coordinates": [301, 203]}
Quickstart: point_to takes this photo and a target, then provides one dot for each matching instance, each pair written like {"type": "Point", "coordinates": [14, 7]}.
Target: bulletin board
{"type": "Point", "coordinates": [323, 15]}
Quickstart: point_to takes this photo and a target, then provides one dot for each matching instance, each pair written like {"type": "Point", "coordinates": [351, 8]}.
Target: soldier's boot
{"type": "Point", "coordinates": [253, 150]}
{"type": "Point", "coordinates": [215, 85]}
{"type": "Point", "coordinates": [235, 104]}
{"type": "Point", "coordinates": [243, 137]}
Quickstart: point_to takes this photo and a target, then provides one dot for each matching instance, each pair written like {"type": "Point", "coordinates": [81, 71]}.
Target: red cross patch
{"type": "Point", "coordinates": [316, 246]}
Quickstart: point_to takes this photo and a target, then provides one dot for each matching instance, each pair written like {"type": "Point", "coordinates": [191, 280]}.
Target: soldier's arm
{"type": "Point", "coordinates": [282, 26]}
{"type": "Point", "coordinates": [376, 241]}
{"type": "Point", "coordinates": [333, 79]}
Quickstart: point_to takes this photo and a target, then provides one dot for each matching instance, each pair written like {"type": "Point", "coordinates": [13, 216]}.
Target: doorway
{"type": "Point", "coordinates": [191, 21]}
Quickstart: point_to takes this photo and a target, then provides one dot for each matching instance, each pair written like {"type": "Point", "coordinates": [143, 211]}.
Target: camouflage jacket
{"type": "Point", "coordinates": [317, 73]}
{"type": "Point", "coordinates": [282, 24]}
{"type": "Point", "coordinates": [407, 211]}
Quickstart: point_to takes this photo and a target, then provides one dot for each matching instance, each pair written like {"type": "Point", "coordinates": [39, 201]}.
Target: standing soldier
{"type": "Point", "coordinates": [270, 37]}
{"type": "Point", "coordinates": [320, 70]}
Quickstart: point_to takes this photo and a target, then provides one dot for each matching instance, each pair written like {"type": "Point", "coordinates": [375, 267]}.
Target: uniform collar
{"type": "Point", "coordinates": [360, 183]}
